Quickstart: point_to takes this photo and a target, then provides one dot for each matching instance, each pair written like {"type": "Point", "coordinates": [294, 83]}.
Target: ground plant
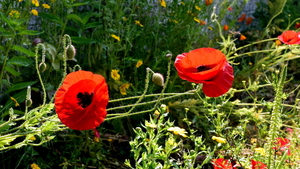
{"type": "Point", "coordinates": [149, 84]}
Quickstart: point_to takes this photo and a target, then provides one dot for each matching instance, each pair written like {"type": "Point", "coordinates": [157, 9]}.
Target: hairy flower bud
{"type": "Point", "coordinates": [158, 79]}
{"type": "Point", "coordinates": [28, 102]}
{"type": "Point", "coordinates": [42, 67]}
{"type": "Point", "coordinates": [37, 41]}
{"type": "Point", "coordinates": [71, 52]}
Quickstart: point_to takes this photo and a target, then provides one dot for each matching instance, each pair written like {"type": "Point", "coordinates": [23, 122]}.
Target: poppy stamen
{"type": "Point", "coordinates": [85, 99]}
{"type": "Point", "coordinates": [202, 68]}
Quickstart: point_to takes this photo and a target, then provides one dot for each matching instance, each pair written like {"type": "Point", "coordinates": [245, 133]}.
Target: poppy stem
{"type": "Point", "coordinates": [37, 67]}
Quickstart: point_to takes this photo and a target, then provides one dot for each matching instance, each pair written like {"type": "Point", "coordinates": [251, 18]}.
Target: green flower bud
{"type": "Point", "coordinates": [158, 79]}
{"type": "Point", "coordinates": [71, 52]}
{"type": "Point", "coordinates": [42, 67]}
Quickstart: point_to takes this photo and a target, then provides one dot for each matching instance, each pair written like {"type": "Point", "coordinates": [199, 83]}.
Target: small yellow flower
{"type": "Point", "coordinates": [14, 14]}
{"type": "Point", "coordinates": [260, 150]}
{"type": "Point", "coordinates": [151, 125]}
{"type": "Point", "coordinates": [163, 3]}
{"type": "Point", "coordinates": [35, 2]}
{"type": "Point", "coordinates": [96, 139]}
{"type": "Point", "coordinates": [115, 74]}
{"type": "Point", "coordinates": [138, 64]}
{"type": "Point", "coordinates": [219, 139]}
{"type": "Point", "coordinates": [20, 0]}
{"type": "Point", "coordinates": [156, 113]}
{"type": "Point", "coordinates": [34, 166]}
{"type": "Point", "coordinates": [46, 6]}
{"type": "Point", "coordinates": [14, 100]}
{"type": "Point", "coordinates": [115, 37]}
{"type": "Point", "coordinates": [198, 8]}
{"type": "Point", "coordinates": [32, 138]}
{"type": "Point", "coordinates": [110, 140]}
{"type": "Point", "coordinates": [124, 18]}
{"type": "Point", "coordinates": [34, 12]}
{"type": "Point", "coordinates": [123, 88]}
{"type": "Point", "coordinates": [253, 140]}
{"type": "Point", "coordinates": [138, 23]}
{"type": "Point", "coordinates": [178, 131]}
{"type": "Point", "coordinates": [197, 20]}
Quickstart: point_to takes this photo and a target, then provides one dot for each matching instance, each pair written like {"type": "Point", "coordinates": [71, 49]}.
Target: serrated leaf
{"type": "Point", "coordinates": [20, 61]}
{"type": "Point", "coordinates": [12, 71]}
{"type": "Point", "coordinates": [23, 50]}
{"type": "Point", "coordinates": [19, 86]}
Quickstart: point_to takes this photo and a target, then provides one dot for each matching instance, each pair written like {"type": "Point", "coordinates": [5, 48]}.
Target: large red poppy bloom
{"type": "Point", "coordinates": [258, 165]}
{"type": "Point", "coordinates": [222, 163]}
{"type": "Point", "coordinates": [81, 101]}
{"type": "Point", "coordinates": [290, 37]}
{"type": "Point", "coordinates": [208, 66]}
{"type": "Point", "coordinates": [283, 144]}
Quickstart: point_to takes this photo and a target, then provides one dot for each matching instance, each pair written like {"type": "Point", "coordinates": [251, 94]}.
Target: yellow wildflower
{"type": "Point", "coordinates": [178, 131]}
{"type": "Point", "coordinates": [260, 150]}
{"type": "Point", "coordinates": [163, 3]}
{"type": "Point", "coordinates": [197, 20]}
{"type": "Point", "coordinates": [253, 140]}
{"type": "Point", "coordinates": [20, 0]}
{"type": "Point", "coordinates": [34, 166]}
{"type": "Point", "coordinates": [14, 14]}
{"type": "Point", "coordinates": [182, 3]}
{"type": "Point", "coordinates": [219, 139]}
{"type": "Point", "coordinates": [35, 2]}
{"type": "Point", "coordinates": [32, 138]}
{"type": "Point", "coordinates": [115, 74]}
{"type": "Point", "coordinates": [139, 63]}
{"type": "Point", "coordinates": [110, 140]}
{"type": "Point", "coordinates": [151, 125]}
{"type": "Point", "coordinates": [34, 12]}
{"type": "Point", "coordinates": [14, 100]}
{"type": "Point", "coordinates": [124, 18]}
{"type": "Point", "coordinates": [123, 88]}
{"type": "Point", "coordinates": [115, 37]}
{"type": "Point", "coordinates": [96, 139]}
{"type": "Point", "coordinates": [46, 6]}
{"type": "Point", "coordinates": [198, 8]}
{"type": "Point", "coordinates": [138, 23]}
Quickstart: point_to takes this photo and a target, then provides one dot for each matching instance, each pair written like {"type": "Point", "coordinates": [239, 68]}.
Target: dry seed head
{"type": "Point", "coordinates": [158, 79]}
{"type": "Point", "coordinates": [71, 52]}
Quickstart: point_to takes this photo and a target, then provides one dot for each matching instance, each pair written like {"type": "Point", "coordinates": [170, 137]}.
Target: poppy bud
{"type": "Point", "coordinates": [158, 79]}
{"type": "Point", "coordinates": [42, 67]}
{"type": "Point", "coordinates": [28, 102]}
{"type": "Point", "coordinates": [71, 52]}
{"type": "Point", "coordinates": [37, 41]}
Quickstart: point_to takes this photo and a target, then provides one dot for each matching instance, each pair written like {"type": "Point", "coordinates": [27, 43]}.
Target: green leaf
{"type": "Point", "coordinates": [50, 17]}
{"type": "Point", "coordinates": [82, 41]}
{"type": "Point", "coordinates": [92, 25]}
{"type": "Point", "coordinates": [12, 71]}
{"type": "Point", "coordinates": [81, 3]}
{"type": "Point", "coordinates": [19, 86]}
{"type": "Point", "coordinates": [19, 61]}
{"type": "Point", "coordinates": [75, 18]}
{"type": "Point", "coordinates": [30, 32]}
{"type": "Point", "coordinates": [7, 139]}
{"type": "Point", "coordinates": [56, 64]}
{"type": "Point", "coordinates": [23, 50]}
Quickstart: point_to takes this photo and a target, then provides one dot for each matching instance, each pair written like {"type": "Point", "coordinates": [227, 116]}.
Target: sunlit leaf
{"type": "Point", "coordinates": [23, 50]}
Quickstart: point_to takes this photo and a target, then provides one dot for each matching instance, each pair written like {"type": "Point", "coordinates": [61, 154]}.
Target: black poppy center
{"type": "Point", "coordinates": [85, 99]}
{"type": "Point", "coordinates": [203, 68]}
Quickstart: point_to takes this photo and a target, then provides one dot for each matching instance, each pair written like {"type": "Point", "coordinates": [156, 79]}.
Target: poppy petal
{"type": "Point", "coordinates": [87, 113]}
{"type": "Point", "coordinates": [208, 66]}
{"type": "Point", "coordinates": [289, 37]}
{"type": "Point", "coordinates": [222, 82]}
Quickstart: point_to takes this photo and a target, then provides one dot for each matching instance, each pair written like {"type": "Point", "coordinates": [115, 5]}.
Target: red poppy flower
{"type": "Point", "coordinates": [258, 165]}
{"type": "Point", "coordinates": [290, 37]}
{"type": "Point", "coordinates": [208, 66]}
{"type": "Point", "coordinates": [297, 25]}
{"type": "Point", "coordinates": [81, 101]}
{"type": "Point", "coordinates": [242, 18]}
{"type": "Point", "coordinates": [222, 163]}
{"type": "Point", "coordinates": [249, 20]}
{"type": "Point", "coordinates": [225, 27]}
{"type": "Point", "coordinates": [208, 2]}
{"type": "Point", "coordinates": [229, 9]}
{"type": "Point", "coordinates": [283, 144]}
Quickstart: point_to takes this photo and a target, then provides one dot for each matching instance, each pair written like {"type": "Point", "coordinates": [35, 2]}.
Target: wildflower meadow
{"type": "Point", "coordinates": [162, 84]}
